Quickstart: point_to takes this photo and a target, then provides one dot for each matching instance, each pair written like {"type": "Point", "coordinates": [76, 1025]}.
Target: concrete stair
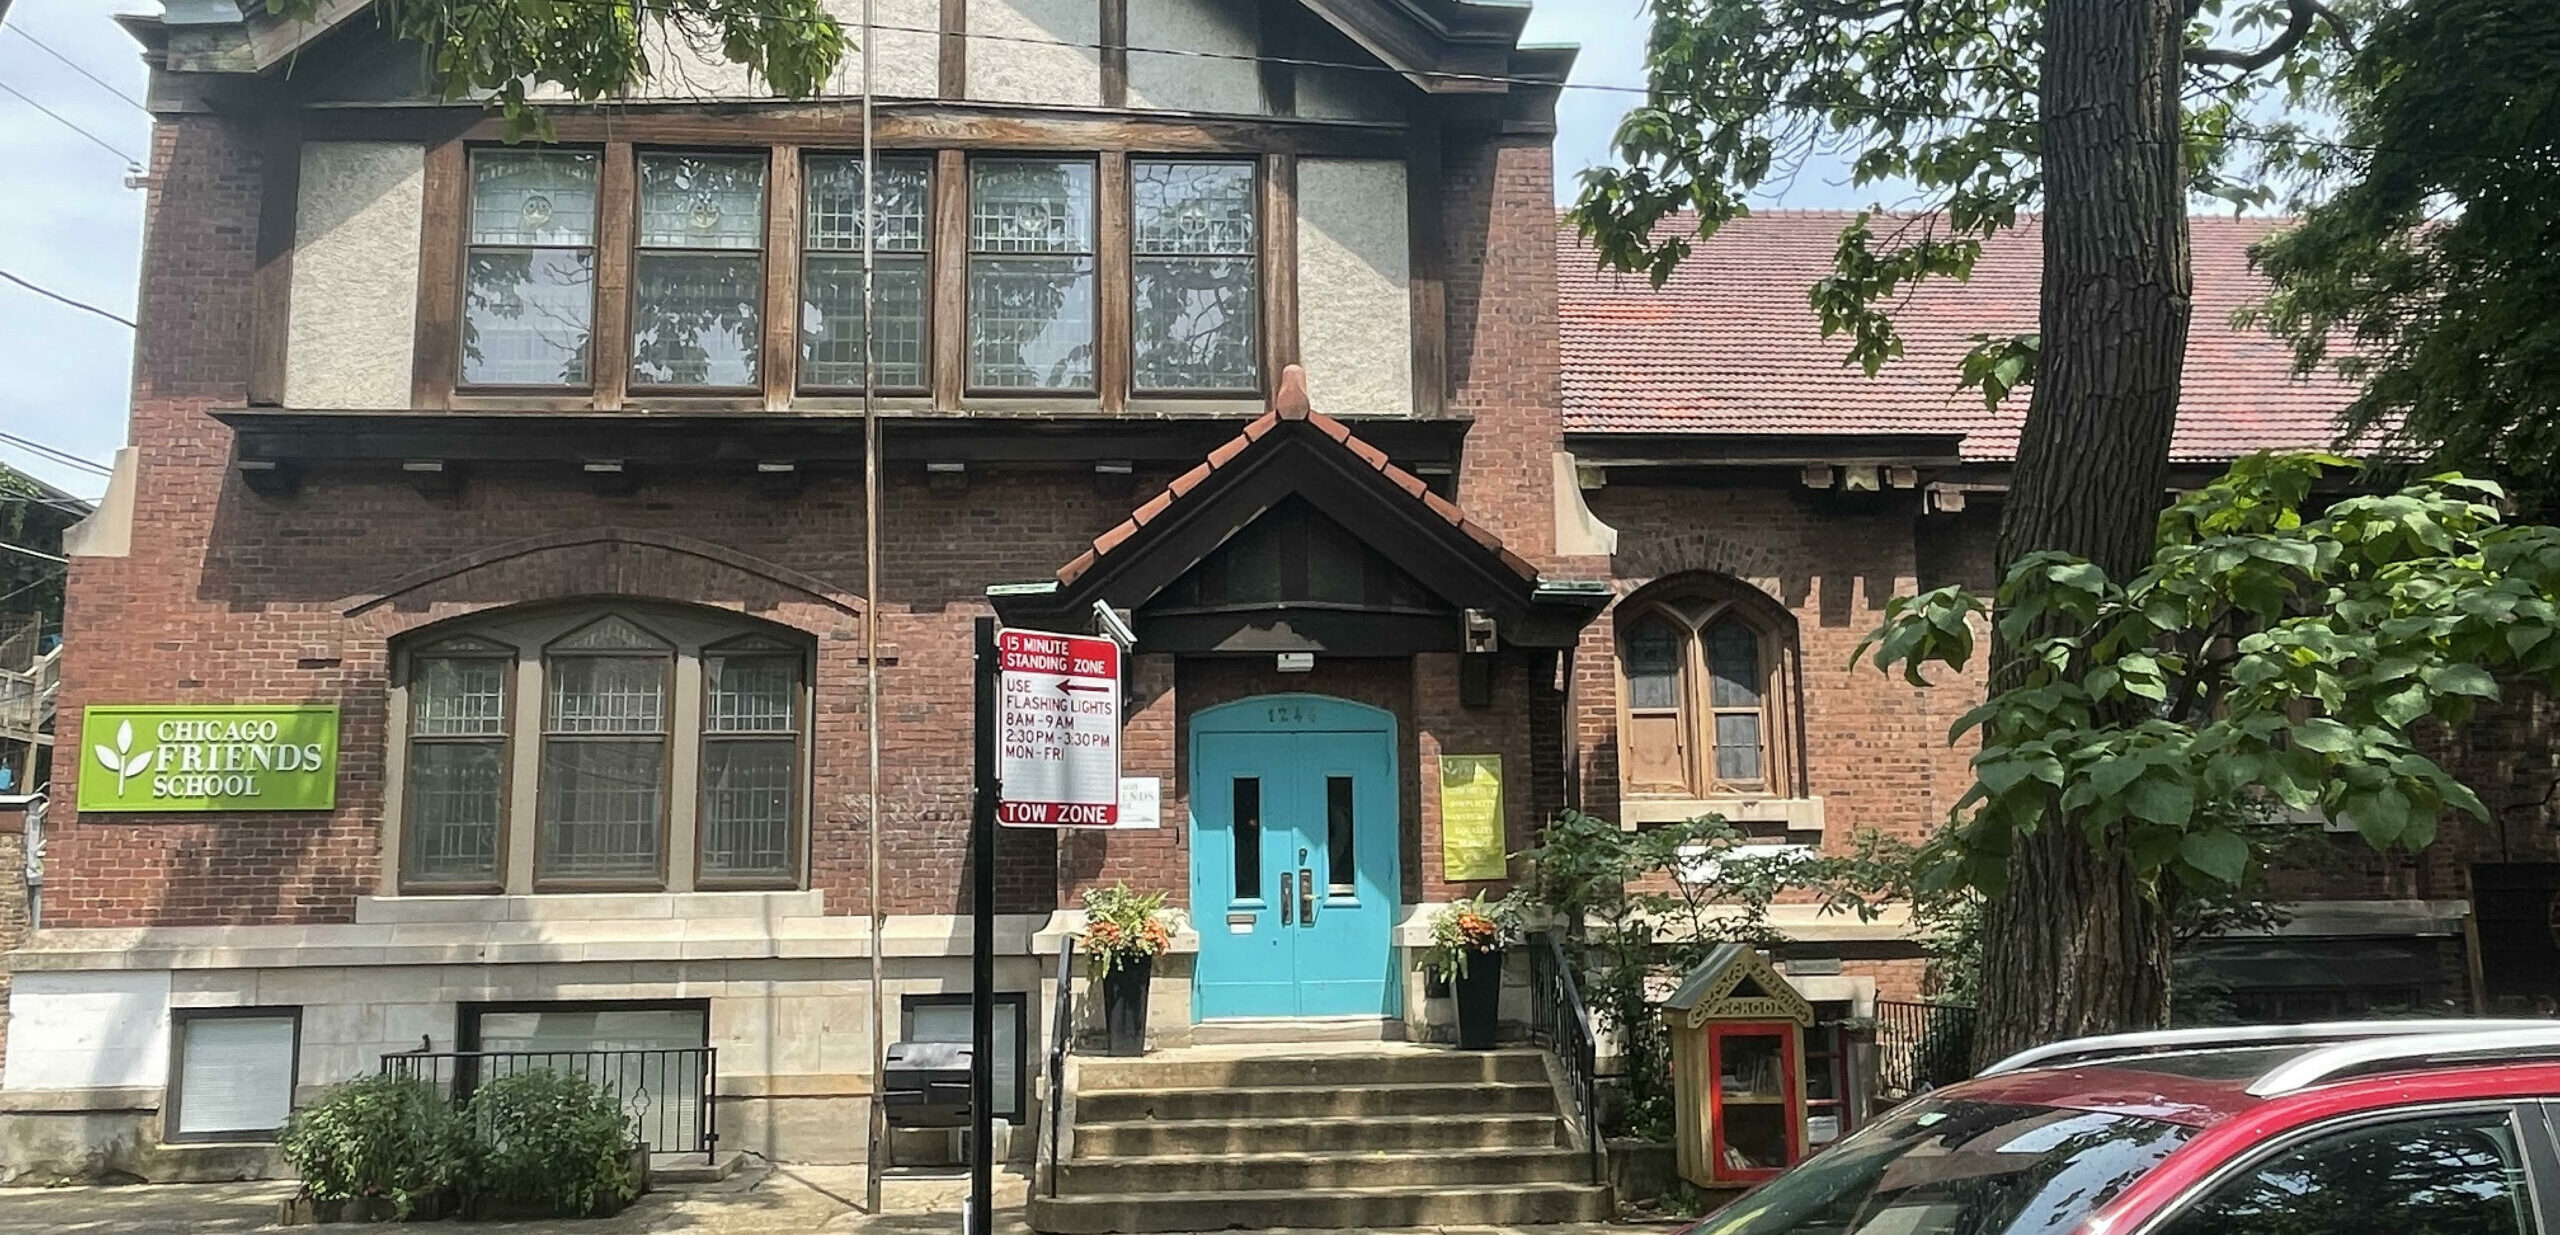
{"type": "Point", "coordinates": [1367, 1136]}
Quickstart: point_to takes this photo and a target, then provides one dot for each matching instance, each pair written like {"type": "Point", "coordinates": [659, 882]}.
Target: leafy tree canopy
{"type": "Point", "coordinates": [2435, 263]}
{"type": "Point", "coordinates": [595, 48]}
{"type": "Point", "coordinates": [1944, 96]}
{"type": "Point", "coordinates": [2269, 657]}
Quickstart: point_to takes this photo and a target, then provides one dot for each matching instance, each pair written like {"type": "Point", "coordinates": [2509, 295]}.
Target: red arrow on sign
{"type": "Point", "coordinates": [1092, 688]}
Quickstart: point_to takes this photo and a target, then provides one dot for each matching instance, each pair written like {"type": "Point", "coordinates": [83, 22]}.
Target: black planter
{"type": "Point", "coordinates": [1124, 1006]}
{"type": "Point", "coordinates": [1479, 1001]}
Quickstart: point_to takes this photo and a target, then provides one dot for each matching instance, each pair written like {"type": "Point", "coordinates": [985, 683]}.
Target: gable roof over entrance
{"type": "Point", "coordinates": [1291, 452]}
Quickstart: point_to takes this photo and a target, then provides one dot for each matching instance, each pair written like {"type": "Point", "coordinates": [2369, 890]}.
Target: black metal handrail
{"type": "Point", "coordinates": [671, 1093]}
{"type": "Point", "coordinates": [1062, 1030]}
{"type": "Point", "coordinates": [1558, 1019]}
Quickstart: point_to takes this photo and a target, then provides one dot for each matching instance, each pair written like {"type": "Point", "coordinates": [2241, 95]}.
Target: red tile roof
{"type": "Point", "coordinates": [1291, 412]}
{"type": "Point", "coordinates": [1731, 345]}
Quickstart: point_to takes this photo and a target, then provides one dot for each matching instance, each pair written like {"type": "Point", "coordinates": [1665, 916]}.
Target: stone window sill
{"type": "Point", "coordinates": [1751, 813]}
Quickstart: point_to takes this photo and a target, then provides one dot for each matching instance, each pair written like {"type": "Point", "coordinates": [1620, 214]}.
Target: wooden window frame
{"type": "Point", "coordinates": [460, 274]}
{"type": "Point", "coordinates": [528, 637]}
{"type": "Point", "coordinates": [1691, 616]}
{"type": "Point", "coordinates": [931, 257]}
{"type": "Point", "coordinates": [772, 283]}
{"type": "Point", "coordinates": [1260, 256]}
{"type": "Point", "coordinates": [172, 1095]}
{"type": "Point", "coordinates": [542, 736]}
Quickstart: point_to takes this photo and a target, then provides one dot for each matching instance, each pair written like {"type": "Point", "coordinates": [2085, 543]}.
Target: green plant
{"type": "Point", "coordinates": [551, 1139]}
{"type": "Point", "coordinates": [388, 1138]}
{"type": "Point", "coordinates": [1470, 928]}
{"type": "Point", "coordinates": [1120, 926]}
{"type": "Point", "coordinates": [1637, 903]}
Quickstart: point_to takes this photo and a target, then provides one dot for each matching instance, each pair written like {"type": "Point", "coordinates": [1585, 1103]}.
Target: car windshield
{"type": "Point", "coordinates": [1951, 1167]}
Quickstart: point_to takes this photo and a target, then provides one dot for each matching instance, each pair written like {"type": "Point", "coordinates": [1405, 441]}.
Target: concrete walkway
{"type": "Point", "coordinates": [786, 1201]}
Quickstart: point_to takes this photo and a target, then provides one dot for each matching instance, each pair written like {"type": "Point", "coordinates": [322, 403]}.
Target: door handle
{"type": "Point", "coordinates": [1306, 896]}
{"type": "Point", "coordinates": [1284, 898]}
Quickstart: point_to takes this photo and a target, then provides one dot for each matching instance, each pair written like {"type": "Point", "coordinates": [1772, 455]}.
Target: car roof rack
{"type": "Point", "coordinates": [2378, 1054]}
{"type": "Point", "coordinates": [2165, 1041]}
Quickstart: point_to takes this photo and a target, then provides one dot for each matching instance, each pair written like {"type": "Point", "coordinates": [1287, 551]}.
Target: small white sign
{"type": "Point", "coordinates": [1057, 730]}
{"type": "Point", "coordinates": [1141, 802]}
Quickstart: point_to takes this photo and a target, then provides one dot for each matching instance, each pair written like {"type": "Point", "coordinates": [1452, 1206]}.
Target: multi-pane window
{"type": "Point", "coordinates": [1703, 684]}
{"type": "Point", "coordinates": [660, 747]}
{"type": "Point", "coordinates": [1197, 298]}
{"type": "Point", "coordinates": [457, 761]}
{"type": "Point", "coordinates": [697, 305]}
{"type": "Point", "coordinates": [1031, 274]}
{"type": "Point", "coordinates": [831, 278]}
{"type": "Point", "coordinates": [528, 309]}
{"type": "Point", "coordinates": [604, 753]}
{"type": "Point", "coordinates": [750, 761]}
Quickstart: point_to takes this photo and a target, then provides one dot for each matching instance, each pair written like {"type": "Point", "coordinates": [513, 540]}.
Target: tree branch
{"type": "Point", "coordinates": [2301, 16]}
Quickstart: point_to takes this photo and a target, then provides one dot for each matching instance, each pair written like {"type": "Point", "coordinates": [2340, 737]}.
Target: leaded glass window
{"type": "Point", "coordinates": [1704, 689]}
{"type": "Point", "coordinates": [831, 278]}
{"type": "Point", "coordinates": [697, 305]}
{"type": "Point", "coordinates": [528, 312]}
{"type": "Point", "coordinates": [1197, 308]}
{"type": "Point", "coordinates": [604, 754]}
{"type": "Point", "coordinates": [457, 762]}
{"type": "Point", "coordinates": [750, 763]}
{"type": "Point", "coordinates": [1031, 274]}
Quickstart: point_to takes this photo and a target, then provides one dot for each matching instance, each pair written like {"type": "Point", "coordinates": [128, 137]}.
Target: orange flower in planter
{"type": "Point", "coordinates": [1469, 928]}
{"type": "Point", "coordinates": [1120, 927]}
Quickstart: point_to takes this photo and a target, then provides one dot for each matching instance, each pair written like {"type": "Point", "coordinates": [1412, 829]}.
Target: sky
{"type": "Point", "coordinates": [75, 228]}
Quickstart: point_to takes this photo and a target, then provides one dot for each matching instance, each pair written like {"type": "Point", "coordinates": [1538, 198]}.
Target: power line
{"type": "Point", "coordinates": [74, 66]}
{"type": "Point", "coordinates": [103, 143]}
{"type": "Point", "coordinates": [64, 457]}
{"type": "Point", "coordinates": [34, 553]}
{"type": "Point", "coordinates": [82, 305]}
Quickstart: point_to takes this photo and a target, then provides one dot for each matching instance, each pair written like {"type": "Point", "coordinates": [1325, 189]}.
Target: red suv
{"type": "Point", "coordinates": [2406, 1128]}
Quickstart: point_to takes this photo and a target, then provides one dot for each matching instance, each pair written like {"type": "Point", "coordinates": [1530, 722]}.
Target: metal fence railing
{"type": "Point", "coordinates": [1921, 1046]}
{"type": "Point", "coordinates": [670, 1093]}
{"type": "Point", "coordinates": [1062, 1032]}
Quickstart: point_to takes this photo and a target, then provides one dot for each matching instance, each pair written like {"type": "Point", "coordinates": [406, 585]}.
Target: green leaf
{"type": "Point", "coordinates": [2324, 735]}
{"type": "Point", "coordinates": [2220, 853]}
{"type": "Point", "coordinates": [2161, 800]}
{"type": "Point", "coordinates": [2459, 679]}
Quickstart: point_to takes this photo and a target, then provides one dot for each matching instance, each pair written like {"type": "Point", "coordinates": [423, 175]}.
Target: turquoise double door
{"type": "Point", "coordinates": [1293, 858]}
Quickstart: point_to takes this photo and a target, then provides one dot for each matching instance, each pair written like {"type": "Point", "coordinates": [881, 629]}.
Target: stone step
{"type": "Point", "coordinates": [1400, 1067]}
{"type": "Point", "coordinates": [1333, 1208]}
{"type": "Point", "coordinates": [1229, 1172]}
{"type": "Point", "coordinates": [1377, 1134]}
{"type": "Point", "coordinates": [1310, 1101]}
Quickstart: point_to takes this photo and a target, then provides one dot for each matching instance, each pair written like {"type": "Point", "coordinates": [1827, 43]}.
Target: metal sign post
{"type": "Point", "coordinates": [982, 943]}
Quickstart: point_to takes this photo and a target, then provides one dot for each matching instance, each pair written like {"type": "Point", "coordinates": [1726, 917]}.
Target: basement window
{"type": "Point", "coordinates": [231, 1073]}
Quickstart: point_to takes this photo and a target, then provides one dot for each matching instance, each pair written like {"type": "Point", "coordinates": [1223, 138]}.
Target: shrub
{"type": "Point", "coordinates": [379, 1137]}
{"type": "Point", "coordinates": [553, 1140]}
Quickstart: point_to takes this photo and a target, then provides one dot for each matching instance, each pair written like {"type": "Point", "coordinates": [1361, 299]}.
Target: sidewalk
{"type": "Point", "coordinates": [785, 1201]}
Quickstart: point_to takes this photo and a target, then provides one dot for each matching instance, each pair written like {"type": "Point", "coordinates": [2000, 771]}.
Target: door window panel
{"type": "Point", "coordinates": [2451, 1174]}
{"type": "Point", "coordinates": [1246, 828]}
{"type": "Point", "coordinates": [1340, 842]}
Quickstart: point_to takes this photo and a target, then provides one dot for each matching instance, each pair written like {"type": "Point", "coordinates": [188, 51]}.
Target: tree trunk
{"type": "Point", "coordinates": [2075, 946]}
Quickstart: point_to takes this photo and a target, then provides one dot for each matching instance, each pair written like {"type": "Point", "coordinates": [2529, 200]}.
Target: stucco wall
{"type": "Point", "coordinates": [1194, 83]}
{"type": "Point", "coordinates": [1349, 94]}
{"type": "Point", "coordinates": [1355, 323]}
{"type": "Point", "coordinates": [88, 1031]}
{"type": "Point", "coordinates": [1035, 51]}
{"type": "Point", "coordinates": [355, 275]}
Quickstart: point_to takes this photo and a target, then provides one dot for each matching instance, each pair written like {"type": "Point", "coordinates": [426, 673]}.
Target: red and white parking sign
{"type": "Point", "coordinates": [1057, 730]}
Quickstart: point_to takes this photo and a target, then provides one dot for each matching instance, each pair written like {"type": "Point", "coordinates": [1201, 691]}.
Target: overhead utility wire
{"type": "Point", "coordinates": [74, 66]}
{"type": "Point", "coordinates": [63, 457]}
{"type": "Point", "coordinates": [82, 305]}
{"type": "Point", "coordinates": [103, 143]}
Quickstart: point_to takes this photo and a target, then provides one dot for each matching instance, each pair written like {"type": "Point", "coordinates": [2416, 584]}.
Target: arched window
{"type": "Point", "coordinates": [1705, 679]}
{"type": "Point", "coordinates": [601, 746]}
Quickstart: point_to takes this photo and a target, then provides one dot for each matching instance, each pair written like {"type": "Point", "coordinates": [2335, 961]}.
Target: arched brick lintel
{"type": "Point", "coordinates": [595, 563]}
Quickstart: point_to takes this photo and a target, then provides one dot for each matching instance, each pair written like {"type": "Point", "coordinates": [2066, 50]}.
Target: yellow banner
{"type": "Point", "coordinates": [1471, 817]}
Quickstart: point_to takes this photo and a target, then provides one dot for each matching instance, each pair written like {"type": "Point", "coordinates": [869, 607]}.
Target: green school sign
{"type": "Point", "coordinates": [234, 757]}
